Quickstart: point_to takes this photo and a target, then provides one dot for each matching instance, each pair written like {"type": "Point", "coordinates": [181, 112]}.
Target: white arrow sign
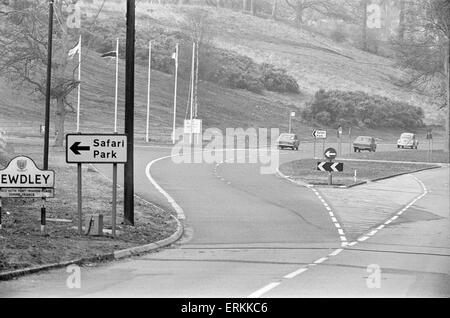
{"type": "Point", "coordinates": [330, 153]}
{"type": "Point", "coordinates": [330, 166]}
{"type": "Point", "coordinates": [96, 148]}
{"type": "Point", "coordinates": [320, 134]}
{"type": "Point", "coordinates": [333, 166]}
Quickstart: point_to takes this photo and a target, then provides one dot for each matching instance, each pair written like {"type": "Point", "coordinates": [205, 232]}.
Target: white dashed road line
{"type": "Point", "coordinates": [344, 242]}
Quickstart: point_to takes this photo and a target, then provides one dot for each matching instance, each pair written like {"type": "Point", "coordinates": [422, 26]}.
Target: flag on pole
{"type": "Point", "coordinates": [110, 54]}
{"type": "Point", "coordinates": [75, 49]}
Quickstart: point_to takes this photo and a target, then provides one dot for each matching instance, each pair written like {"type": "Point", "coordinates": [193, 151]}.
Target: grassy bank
{"type": "Point", "coordinates": [22, 245]}
{"type": "Point", "coordinates": [404, 155]}
{"type": "Point", "coordinates": [306, 171]}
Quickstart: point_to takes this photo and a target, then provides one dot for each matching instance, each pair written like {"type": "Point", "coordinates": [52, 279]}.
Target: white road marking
{"type": "Point", "coordinates": [263, 290]}
{"type": "Point", "coordinates": [296, 273]}
{"type": "Point", "coordinates": [176, 207]}
{"type": "Point", "coordinates": [320, 260]}
{"type": "Point", "coordinates": [336, 252]}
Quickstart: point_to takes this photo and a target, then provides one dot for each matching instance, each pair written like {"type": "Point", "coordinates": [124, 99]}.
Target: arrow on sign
{"type": "Point", "coordinates": [330, 166]}
{"type": "Point", "coordinates": [330, 153]}
{"type": "Point", "coordinates": [76, 148]}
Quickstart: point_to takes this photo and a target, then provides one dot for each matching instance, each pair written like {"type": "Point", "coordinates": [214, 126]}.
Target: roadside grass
{"type": "Point", "coordinates": [22, 245]}
{"type": "Point", "coordinates": [438, 156]}
{"type": "Point", "coordinates": [306, 171]}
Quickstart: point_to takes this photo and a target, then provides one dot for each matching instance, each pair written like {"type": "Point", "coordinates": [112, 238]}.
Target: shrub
{"type": "Point", "coordinates": [360, 109]}
{"type": "Point", "coordinates": [338, 36]}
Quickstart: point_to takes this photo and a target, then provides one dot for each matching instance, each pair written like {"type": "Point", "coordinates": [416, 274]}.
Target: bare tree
{"type": "Point", "coordinates": [325, 7]}
{"type": "Point", "coordinates": [274, 9]}
{"type": "Point", "coordinates": [424, 49]}
{"type": "Point", "coordinates": [24, 45]}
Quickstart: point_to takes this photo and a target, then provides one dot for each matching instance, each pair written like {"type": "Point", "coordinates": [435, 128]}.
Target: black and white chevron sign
{"type": "Point", "coordinates": [330, 166]}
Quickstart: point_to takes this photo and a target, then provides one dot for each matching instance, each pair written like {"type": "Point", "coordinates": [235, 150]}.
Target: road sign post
{"type": "Point", "coordinates": [319, 134]}
{"type": "Point", "coordinates": [350, 141]}
{"type": "Point", "coordinates": [430, 145]}
{"type": "Point", "coordinates": [291, 114]}
{"type": "Point", "coordinates": [79, 196]}
{"type": "Point", "coordinates": [23, 179]}
{"type": "Point", "coordinates": [329, 166]}
{"type": "Point", "coordinates": [99, 149]}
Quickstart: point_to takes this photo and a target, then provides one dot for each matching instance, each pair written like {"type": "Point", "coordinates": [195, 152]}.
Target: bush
{"type": "Point", "coordinates": [360, 109]}
{"type": "Point", "coordinates": [338, 36]}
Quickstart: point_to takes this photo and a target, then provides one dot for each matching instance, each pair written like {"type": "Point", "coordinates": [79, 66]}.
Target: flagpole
{"type": "Point", "coordinates": [117, 85]}
{"type": "Point", "coordinates": [192, 88]}
{"type": "Point", "coordinates": [79, 86]}
{"type": "Point", "coordinates": [148, 89]}
{"type": "Point", "coordinates": [114, 190]}
{"type": "Point", "coordinates": [175, 95]}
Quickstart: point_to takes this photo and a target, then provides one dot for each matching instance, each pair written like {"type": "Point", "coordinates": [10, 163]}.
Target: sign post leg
{"type": "Point", "coordinates": [80, 221]}
{"type": "Point", "coordinates": [43, 217]}
{"type": "Point", "coordinates": [349, 144]}
{"type": "Point", "coordinates": [330, 180]}
{"type": "Point", "coordinates": [314, 157]}
{"type": "Point", "coordinates": [114, 200]}
{"type": "Point", "coordinates": [0, 213]}
{"type": "Point", "coordinates": [323, 148]}
{"type": "Point", "coordinates": [431, 150]}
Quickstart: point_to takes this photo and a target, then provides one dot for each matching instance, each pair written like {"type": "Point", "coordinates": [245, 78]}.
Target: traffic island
{"type": "Point", "coordinates": [23, 246]}
{"type": "Point", "coordinates": [354, 172]}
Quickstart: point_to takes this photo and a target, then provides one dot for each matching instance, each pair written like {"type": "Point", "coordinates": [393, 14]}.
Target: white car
{"type": "Point", "coordinates": [408, 140]}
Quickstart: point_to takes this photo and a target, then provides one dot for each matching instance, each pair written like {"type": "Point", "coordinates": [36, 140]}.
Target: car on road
{"type": "Point", "coordinates": [286, 140]}
{"type": "Point", "coordinates": [364, 143]}
{"type": "Point", "coordinates": [408, 140]}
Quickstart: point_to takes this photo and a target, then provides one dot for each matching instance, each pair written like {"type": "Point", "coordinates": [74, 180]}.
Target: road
{"type": "Point", "coordinates": [250, 234]}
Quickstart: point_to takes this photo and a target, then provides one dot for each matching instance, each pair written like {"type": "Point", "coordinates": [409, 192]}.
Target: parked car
{"type": "Point", "coordinates": [288, 141]}
{"type": "Point", "coordinates": [364, 143]}
{"type": "Point", "coordinates": [408, 140]}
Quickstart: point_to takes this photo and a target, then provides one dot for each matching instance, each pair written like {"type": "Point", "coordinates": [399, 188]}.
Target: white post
{"type": "Point", "coordinates": [192, 88]}
{"type": "Point", "coordinates": [175, 95]}
{"type": "Point", "coordinates": [354, 177]}
{"type": "Point", "coordinates": [117, 85]}
{"type": "Point", "coordinates": [79, 88]}
{"type": "Point", "coordinates": [148, 89]}
{"type": "Point", "coordinates": [290, 118]}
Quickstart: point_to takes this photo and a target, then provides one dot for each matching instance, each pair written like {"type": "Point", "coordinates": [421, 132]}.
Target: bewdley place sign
{"type": "Point", "coordinates": [23, 179]}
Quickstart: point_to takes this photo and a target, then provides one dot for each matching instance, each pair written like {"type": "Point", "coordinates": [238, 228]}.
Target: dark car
{"type": "Point", "coordinates": [364, 143]}
{"type": "Point", "coordinates": [288, 141]}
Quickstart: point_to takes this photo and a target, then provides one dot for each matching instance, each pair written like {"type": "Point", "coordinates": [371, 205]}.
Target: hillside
{"type": "Point", "coordinates": [219, 107]}
{"type": "Point", "coordinates": [315, 61]}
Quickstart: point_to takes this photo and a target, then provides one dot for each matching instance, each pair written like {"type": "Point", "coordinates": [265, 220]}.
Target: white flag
{"type": "Point", "coordinates": [75, 49]}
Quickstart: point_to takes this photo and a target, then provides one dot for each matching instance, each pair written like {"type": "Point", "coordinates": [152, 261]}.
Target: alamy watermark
{"type": "Point", "coordinates": [237, 145]}
{"type": "Point", "coordinates": [74, 279]}
{"type": "Point", "coordinates": [374, 278]}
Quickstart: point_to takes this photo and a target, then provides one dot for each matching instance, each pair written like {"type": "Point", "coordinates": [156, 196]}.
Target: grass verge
{"type": "Point", "coordinates": [22, 245]}
{"type": "Point", "coordinates": [306, 171]}
{"type": "Point", "coordinates": [437, 156]}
